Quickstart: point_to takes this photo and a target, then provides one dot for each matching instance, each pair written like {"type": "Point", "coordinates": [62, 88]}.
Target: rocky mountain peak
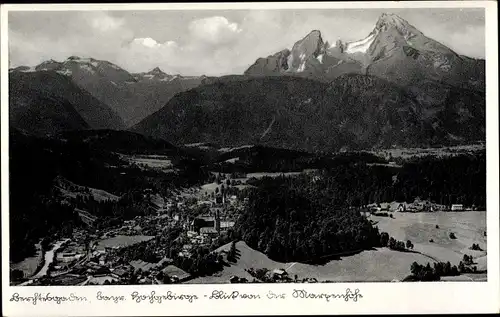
{"type": "Point", "coordinates": [312, 41]}
{"type": "Point", "coordinates": [156, 71]}
{"type": "Point", "coordinates": [392, 21]}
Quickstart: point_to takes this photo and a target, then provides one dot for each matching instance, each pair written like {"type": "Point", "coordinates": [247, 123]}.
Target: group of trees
{"type": "Point", "coordinates": [131, 204]}
{"type": "Point", "coordinates": [202, 262]}
{"type": "Point", "coordinates": [145, 251]}
{"type": "Point", "coordinates": [468, 260]}
{"type": "Point", "coordinates": [231, 254]}
{"type": "Point", "coordinates": [443, 180]}
{"type": "Point", "coordinates": [427, 273]}
{"type": "Point", "coordinates": [261, 158]}
{"type": "Point", "coordinates": [465, 266]}
{"type": "Point", "coordinates": [396, 245]}
{"type": "Point", "coordinates": [393, 244]}
{"type": "Point", "coordinates": [289, 220]}
{"type": "Point", "coordinates": [260, 274]}
{"type": "Point", "coordinates": [475, 246]}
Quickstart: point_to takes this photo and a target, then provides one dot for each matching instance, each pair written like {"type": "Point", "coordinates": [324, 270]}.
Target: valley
{"type": "Point", "coordinates": [158, 226]}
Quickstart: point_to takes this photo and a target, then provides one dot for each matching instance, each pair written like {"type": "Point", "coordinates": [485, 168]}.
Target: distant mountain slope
{"type": "Point", "coordinates": [131, 96]}
{"type": "Point", "coordinates": [34, 111]}
{"type": "Point", "coordinates": [394, 50]}
{"type": "Point", "coordinates": [118, 141]}
{"type": "Point", "coordinates": [352, 112]}
{"type": "Point", "coordinates": [48, 102]}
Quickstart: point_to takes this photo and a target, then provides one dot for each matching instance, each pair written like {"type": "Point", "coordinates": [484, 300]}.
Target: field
{"type": "Point", "coordinates": [368, 266]}
{"type": "Point", "coordinates": [266, 174]}
{"type": "Point", "coordinates": [122, 241]}
{"type": "Point", "coordinates": [150, 161]}
{"type": "Point", "coordinates": [210, 187]}
{"type": "Point", "coordinates": [71, 190]}
{"type": "Point", "coordinates": [468, 227]}
{"type": "Point", "coordinates": [406, 153]}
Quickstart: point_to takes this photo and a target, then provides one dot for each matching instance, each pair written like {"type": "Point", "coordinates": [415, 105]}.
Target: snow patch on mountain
{"type": "Point", "coordinates": [320, 58]}
{"type": "Point", "coordinates": [361, 46]}
{"type": "Point", "coordinates": [65, 72]}
{"type": "Point", "coordinates": [302, 67]}
{"type": "Point", "coordinates": [87, 68]}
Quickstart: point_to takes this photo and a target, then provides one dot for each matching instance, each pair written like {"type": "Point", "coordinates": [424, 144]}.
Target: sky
{"type": "Point", "coordinates": [214, 42]}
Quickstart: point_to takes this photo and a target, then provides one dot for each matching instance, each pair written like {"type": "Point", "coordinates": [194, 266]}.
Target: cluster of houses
{"type": "Point", "coordinates": [417, 205]}
{"type": "Point", "coordinates": [101, 265]}
{"type": "Point", "coordinates": [142, 272]}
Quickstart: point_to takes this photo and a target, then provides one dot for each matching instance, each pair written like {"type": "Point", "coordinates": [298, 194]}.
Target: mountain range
{"type": "Point", "coordinates": [48, 102]}
{"type": "Point", "coordinates": [394, 50]}
{"type": "Point", "coordinates": [132, 96]}
{"type": "Point", "coordinates": [396, 87]}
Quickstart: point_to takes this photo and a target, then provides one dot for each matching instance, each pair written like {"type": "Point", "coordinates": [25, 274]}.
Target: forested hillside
{"type": "Point", "coordinates": [304, 218]}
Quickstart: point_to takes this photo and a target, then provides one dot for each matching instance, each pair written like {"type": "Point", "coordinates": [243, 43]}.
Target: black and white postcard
{"type": "Point", "coordinates": [244, 158]}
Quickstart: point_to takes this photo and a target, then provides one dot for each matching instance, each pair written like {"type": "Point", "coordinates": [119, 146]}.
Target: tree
{"type": "Point", "coordinates": [447, 269]}
{"type": "Point", "coordinates": [392, 243]}
{"type": "Point", "coordinates": [467, 259]}
{"type": "Point", "coordinates": [415, 268]}
{"type": "Point", "coordinates": [461, 267]}
{"type": "Point", "coordinates": [439, 268]}
{"type": "Point", "coordinates": [428, 273]}
{"type": "Point", "coordinates": [16, 274]}
{"type": "Point", "coordinates": [231, 255]}
{"type": "Point", "coordinates": [384, 239]}
{"type": "Point", "coordinates": [409, 245]}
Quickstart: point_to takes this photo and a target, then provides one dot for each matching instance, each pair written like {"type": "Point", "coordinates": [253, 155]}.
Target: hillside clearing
{"type": "Point", "coordinates": [373, 265]}
{"type": "Point", "coordinates": [420, 228]}
{"type": "Point", "coordinates": [122, 241]}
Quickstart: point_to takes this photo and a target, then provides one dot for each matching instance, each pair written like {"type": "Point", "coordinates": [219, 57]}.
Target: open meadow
{"type": "Point", "coordinates": [122, 241]}
{"type": "Point", "coordinates": [422, 228]}
{"type": "Point", "coordinates": [378, 265]}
